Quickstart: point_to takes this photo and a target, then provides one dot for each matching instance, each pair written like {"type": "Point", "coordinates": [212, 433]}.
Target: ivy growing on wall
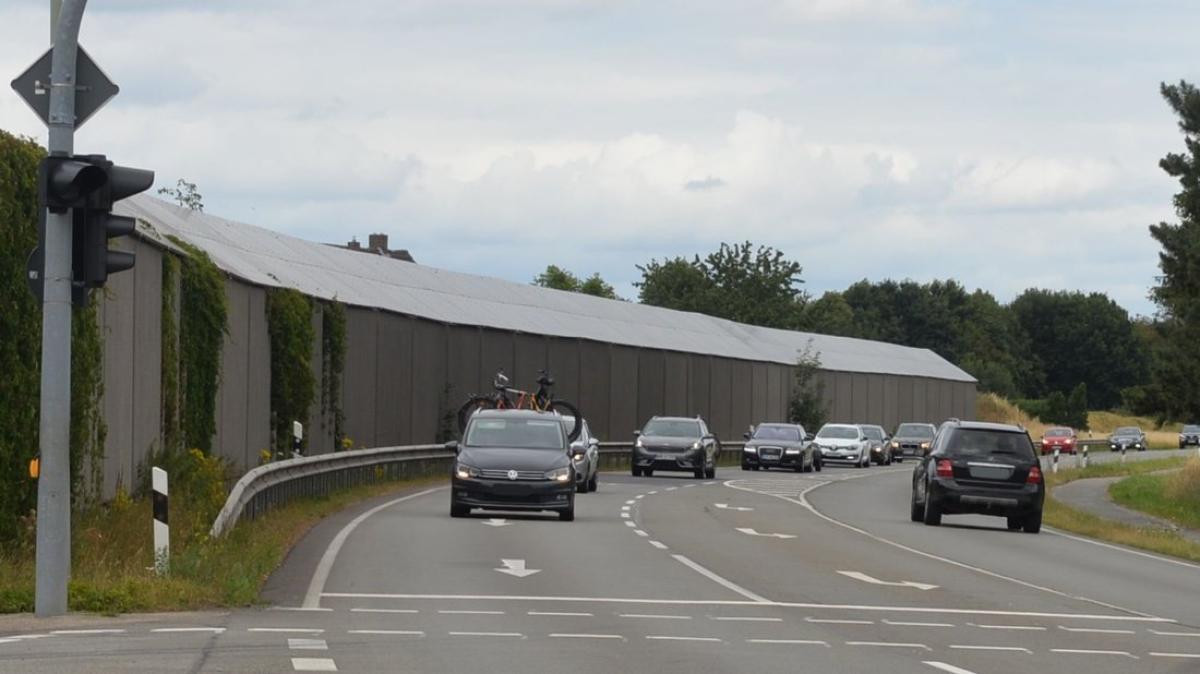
{"type": "Point", "coordinates": [293, 386]}
{"type": "Point", "coordinates": [333, 350]}
{"type": "Point", "coordinates": [171, 430]}
{"type": "Point", "coordinates": [203, 323]}
{"type": "Point", "coordinates": [88, 430]}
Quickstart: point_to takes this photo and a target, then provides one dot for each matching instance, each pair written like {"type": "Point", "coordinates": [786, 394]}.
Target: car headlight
{"type": "Point", "coordinates": [748, 449]}
{"type": "Point", "coordinates": [463, 471]}
{"type": "Point", "coordinates": [559, 474]}
{"type": "Point", "coordinates": [924, 445]}
{"type": "Point", "coordinates": [696, 445]}
{"type": "Point", "coordinates": [578, 456]}
{"type": "Point", "coordinates": [791, 451]}
{"type": "Point", "coordinates": [895, 445]}
{"type": "Point", "coordinates": [638, 443]}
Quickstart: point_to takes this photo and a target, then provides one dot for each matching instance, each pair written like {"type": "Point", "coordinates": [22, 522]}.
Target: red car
{"type": "Point", "coordinates": [1063, 438]}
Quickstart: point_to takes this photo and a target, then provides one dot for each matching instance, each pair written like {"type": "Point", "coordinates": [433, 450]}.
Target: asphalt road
{"type": "Point", "coordinates": [751, 572]}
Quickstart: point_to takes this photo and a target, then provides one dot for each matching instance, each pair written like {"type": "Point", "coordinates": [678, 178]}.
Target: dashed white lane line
{"type": "Point", "coordinates": [888, 644]}
{"type": "Point", "coordinates": [385, 610]}
{"type": "Point", "coordinates": [1014, 649]}
{"type": "Point", "coordinates": [1193, 656]}
{"type": "Point", "coordinates": [654, 616]}
{"type": "Point", "coordinates": [709, 484]}
{"type": "Point", "coordinates": [625, 508]}
{"type": "Point", "coordinates": [176, 630]}
{"type": "Point", "coordinates": [488, 634]}
{"type": "Point", "coordinates": [660, 546]}
{"type": "Point", "coordinates": [587, 636]}
{"type": "Point", "coordinates": [652, 493]}
{"type": "Point", "coordinates": [631, 524]}
{"type": "Point", "coordinates": [631, 501]}
{"type": "Point", "coordinates": [390, 633]}
{"type": "Point", "coordinates": [286, 630]}
{"type": "Point", "coordinates": [1081, 651]}
{"type": "Point", "coordinates": [455, 612]}
{"type": "Point", "coordinates": [901, 623]}
{"type": "Point", "coordinates": [624, 516]}
{"type": "Point", "coordinates": [308, 645]}
{"type": "Point", "coordinates": [794, 642]}
{"type": "Point", "coordinates": [641, 533]}
{"type": "Point", "coordinates": [672, 488]}
{"type": "Point", "coordinates": [1016, 628]}
{"type": "Point", "coordinates": [313, 665]}
{"type": "Point", "coordinates": [640, 496]}
{"type": "Point", "coordinates": [1175, 634]}
{"type": "Point", "coordinates": [947, 668]}
{"type": "Point", "coordinates": [838, 621]}
{"type": "Point", "coordinates": [728, 584]}
{"type": "Point", "coordinates": [744, 619]}
{"type": "Point", "coordinates": [562, 614]}
{"type": "Point", "coordinates": [1094, 630]}
{"type": "Point", "coordinates": [688, 485]}
{"type": "Point", "coordinates": [85, 632]}
{"type": "Point", "coordinates": [666, 638]}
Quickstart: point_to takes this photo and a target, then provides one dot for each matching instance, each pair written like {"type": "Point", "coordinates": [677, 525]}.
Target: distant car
{"type": "Point", "coordinates": [983, 469]}
{"type": "Point", "coordinates": [585, 455]}
{"type": "Point", "coordinates": [780, 446]}
{"type": "Point", "coordinates": [676, 443]}
{"type": "Point", "coordinates": [843, 443]}
{"type": "Point", "coordinates": [513, 460]}
{"type": "Point", "coordinates": [1062, 438]}
{"type": "Point", "coordinates": [1189, 435]}
{"type": "Point", "coordinates": [1126, 438]}
{"type": "Point", "coordinates": [911, 440]}
{"type": "Point", "coordinates": [880, 451]}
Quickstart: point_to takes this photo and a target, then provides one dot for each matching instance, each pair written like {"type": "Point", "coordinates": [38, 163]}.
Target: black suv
{"type": "Point", "coordinates": [983, 469]}
{"type": "Point", "coordinates": [675, 443]}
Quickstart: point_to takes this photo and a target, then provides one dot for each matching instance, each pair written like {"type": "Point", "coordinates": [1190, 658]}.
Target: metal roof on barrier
{"type": "Point", "coordinates": [263, 257]}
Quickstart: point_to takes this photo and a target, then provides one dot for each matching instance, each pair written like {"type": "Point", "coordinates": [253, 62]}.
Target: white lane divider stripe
{"type": "Point", "coordinates": [308, 645]}
{"type": "Point", "coordinates": [660, 546]}
{"type": "Point", "coordinates": [1175, 634]}
{"type": "Point", "coordinates": [839, 621]}
{"type": "Point", "coordinates": [176, 630]}
{"type": "Point", "coordinates": [1176, 655]}
{"type": "Point", "coordinates": [901, 623]}
{"type": "Point", "coordinates": [640, 496]}
{"type": "Point", "coordinates": [651, 616]}
{"type": "Point", "coordinates": [631, 524]}
{"type": "Point", "coordinates": [1016, 649]}
{"type": "Point", "coordinates": [313, 665]}
{"type": "Point", "coordinates": [1080, 651]}
{"type": "Point", "coordinates": [641, 533]}
{"type": "Point", "coordinates": [688, 485]}
{"type": "Point", "coordinates": [1093, 630]}
{"type": "Point", "coordinates": [664, 638]}
{"type": "Point", "coordinates": [1026, 628]}
{"type": "Point", "coordinates": [563, 614]}
{"type": "Point", "coordinates": [625, 508]}
{"type": "Point", "coordinates": [745, 619]}
{"type": "Point", "coordinates": [286, 630]}
{"type": "Point", "coordinates": [947, 668]}
{"type": "Point", "coordinates": [488, 634]}
{"type": "Point", "coordinates": [385, 610]}
{"type": "Point", "coordinates": [587, 636]}
{"type": "Point", "coordinates": [455, 612]}
{"type": "Point", "coordinates": [624, 516]}
{"type": "Point", "coordinates": [672, 488]}
{"type": "Point", "coordinates": [796, 642]}
{"type": "Point", "coordinates": [888, 644]}
{"type": "Point", "coordinates": [391, 633]}
{"type": "Point", "coordinates": [630, 502]}
{"type": "Point", "coordinates": [299, 609]}
{"type": "Point", "coordinates": [729, 584]}
{"type": "Point", "coordinates": [652, 492]}
{"type": "Point", "coordinates": [86, 632]}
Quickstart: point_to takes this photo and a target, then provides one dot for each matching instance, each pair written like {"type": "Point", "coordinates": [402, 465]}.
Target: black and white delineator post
{"type": "Point", "coordinates": [162, 531]}
{"type": "Point", "coordinates": [1084, 449]}
{"type": "Point", "coordinates": [1122, 455]}
{"type": "Point", "coordinates": [297, 437]}
{"type": "Point", "coordinates": [1054, 461]}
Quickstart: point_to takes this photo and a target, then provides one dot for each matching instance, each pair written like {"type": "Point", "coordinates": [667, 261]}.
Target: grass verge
{"type": "Point", "coordinates": [1062, 516]}
{"type": "Point", "coordinates": [991, 407]}
{"type": "Point", "coordinates": [113, 555]}
{"type": "Point", "coordinates": [1175, 497]}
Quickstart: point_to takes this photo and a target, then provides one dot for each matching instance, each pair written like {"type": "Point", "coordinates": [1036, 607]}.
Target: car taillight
{"type": "Point", "coordinates": [1035, 476]}
{"type": "Point", "coordinates": [945, 468]}
{"type": "Point", "coordinates": [1069, 441]}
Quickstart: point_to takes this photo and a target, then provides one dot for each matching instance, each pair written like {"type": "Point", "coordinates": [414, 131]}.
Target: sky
{"type": "Point", "coordinates": [1006, 144]}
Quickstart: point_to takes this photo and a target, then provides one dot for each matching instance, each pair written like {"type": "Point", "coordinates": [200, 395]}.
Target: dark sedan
{"type": "Point", "coordinates": [779, 446]}
{"type": "Point", "coordinates": [675, 443]}
{"type": "Point", "coordinates": [513, 460]}
{"type": "Point", "coordinates": [1126, 438]}
{"type": "Point", "coordinates": [911, 441]}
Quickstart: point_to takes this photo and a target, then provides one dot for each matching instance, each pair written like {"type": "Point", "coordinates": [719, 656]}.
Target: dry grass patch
{"type": "Point", "coordinates": [991, 407]}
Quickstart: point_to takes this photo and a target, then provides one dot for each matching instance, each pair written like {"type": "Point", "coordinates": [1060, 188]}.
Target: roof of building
{"type": "Point", "coordinates": [267, 258]}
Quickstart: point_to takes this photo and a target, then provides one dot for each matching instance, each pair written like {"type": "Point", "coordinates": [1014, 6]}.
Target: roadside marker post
{"type": "Point", "coordinates": [1085, 456]}
{"type": "Point", "coordinates": [1054, 462]}
{"type": "Point", "coordinates": [1122, 455]}
{"type": "Point", "coordinates": [162, 531]}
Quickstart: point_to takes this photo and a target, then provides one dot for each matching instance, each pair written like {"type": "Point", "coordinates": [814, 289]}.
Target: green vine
{"type": "Point", "coordinates": [172, 439]}
{"type": "Point", "coordinates": [88, 430]}
{"type": "Point", "coordinates": [203, 321]}
{"type": "Point", "coordinates": [293, 386]}
{"type": "Point", "coordinates": [333, 351]}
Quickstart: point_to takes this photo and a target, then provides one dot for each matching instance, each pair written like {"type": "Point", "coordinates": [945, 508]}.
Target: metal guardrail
{"type": "Point", "coordinates": [279, 482]}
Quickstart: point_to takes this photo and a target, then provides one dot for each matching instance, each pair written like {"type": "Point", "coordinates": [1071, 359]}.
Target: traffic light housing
{"type": "Point", "coordinates": [67, 182]}
{"type": "Point", "coordinates": [95, 224]}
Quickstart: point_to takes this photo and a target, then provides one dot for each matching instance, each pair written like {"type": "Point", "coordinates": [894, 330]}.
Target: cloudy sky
{"type": "Point", "coordinates": [1004, 143]}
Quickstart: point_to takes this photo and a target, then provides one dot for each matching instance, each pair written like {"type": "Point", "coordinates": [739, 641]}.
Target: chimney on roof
{"type": "Point", "coordinates": [378, 243]}
{"type": "Point", "coordinates": [354, 244]}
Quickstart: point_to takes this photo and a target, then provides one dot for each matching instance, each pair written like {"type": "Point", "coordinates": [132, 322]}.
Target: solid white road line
{"type": "Point", "coordinates": [384, 610]}
{"type": "Point", "coordinates": [313, 665]}
{"type": "Point", "coordinates": [744, 619]}
{"type": "Point", "coordinates": [833, 621]}
{"type": "Point", "coordinates": [898, 623]}
{"type": "Point", "coordinates": [1026, 628]}
{"type": "Point", "coordinates": [175, 630]}
{"type": "Point", "coordinates": [285, 630]}
{"type": "Point", "coordinates": [1118, 548]}
{"type": "Point", "coordinates": [797, 642]}
{"type": "Point", "coordinates": [947, 668]}
{"type": "Point", "coordinates": [641, 533]}
{"type": "Point", "coordinates": [487, 634]}
{"type": "Point", "coordinates": [586, 636]}
{"type": "Point", "coordinates": [299, 608]}
{"type": "Point", "coordinates": [888, 644]}
{"type": "Point", "coordinates": [308, 645]}
{"type": "Point", "coordinates": [663, 638]}
{"type": "Point", "coordinates": [1080, 651]}
{"type": "Point", "coordinates": [562, 614]}
{"type": "Point", "coordinates": [654, 616]}
{"type": "Point", "coordinates": [85, 632]}
{"type": "Point", "coordinates": [390, 633]}
{"type": "Point", "coordinates": [453, 612]}
{"type": "Point", "coordinates": [1091, 630]}
{"type": "Point", "coordinates": [1175, 634]}
{"type": "Point", "coordinates": [658, 545]}
{"type": "Point", "coordinates": [728, 584]}
{"type": "Point", "coordinates": [1016, 649]}
{"type": "Point", "coordinates": [1194, 656]}
{"type": "Point", "coordinates": [316, 587]}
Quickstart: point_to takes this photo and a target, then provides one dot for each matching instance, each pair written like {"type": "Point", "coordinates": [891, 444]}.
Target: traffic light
{"type": "Point", "coordinates": [67, 182]}
{"type": "Point", "coordinates": [95, 224]}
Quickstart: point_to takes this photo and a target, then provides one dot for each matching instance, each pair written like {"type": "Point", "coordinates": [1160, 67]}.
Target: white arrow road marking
{"type": "Point", "coordinates": [726, 506]}
{"type": "Point", "coordinates": [497, 522]}
{"type": "Point", "coordinates": [752, 532]}
{"type": "Point", "coordinates": [858, 575]}
{"type": "Point", "coordinates": [516, 567]}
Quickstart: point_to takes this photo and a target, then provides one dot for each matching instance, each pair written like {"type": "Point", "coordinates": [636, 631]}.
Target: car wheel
{"type": "Point", "coordinates": [932, 515]}
{"type": "Point", "coordinates": [457, 510]}
{"type": "Point", "coordinates": [1033, 523]}
{"type": "Point", "coordinates": [648, 472]}
{"type": "Point", "coordinates": [567, 515]}
{"type": "Point", "coordinates": [817, 463]}
{"type": "Point", "coordinates": [637, 472]}
{"type": "Point", "coordinates": [711, 473]}
{"type": "Point", "coordinates": [1015, 523]}
{"type": "Point", "coordinates": [916, 511]}
{"type": "Point", "coordinates": [594, 483]}
{"type": "Point", "coordinates": [745, 467]}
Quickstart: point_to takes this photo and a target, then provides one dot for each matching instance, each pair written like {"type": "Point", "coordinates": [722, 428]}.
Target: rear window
{"type": "Point", "coordinates": [516, 433]}
{"type": "Point", "coordinates": [982, 444]}
{"type": "Point", "coordinates": [781, 433]}
{"type": "Point", "coordinates": [673, 428]}
{"type": "Point", "coordinates": [914, 431]}
{"type": "Point", "coordinates": [1058, 433]}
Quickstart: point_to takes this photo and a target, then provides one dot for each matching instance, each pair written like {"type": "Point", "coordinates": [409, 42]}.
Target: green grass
{"type": "Point", "coordinates": [113, 552]}
{"type": "Point", "coordinates": [1175, 497]}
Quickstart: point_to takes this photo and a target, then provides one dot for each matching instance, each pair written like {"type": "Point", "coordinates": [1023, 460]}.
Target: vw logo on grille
{"type": "Point", "coordinates": [512, 474]}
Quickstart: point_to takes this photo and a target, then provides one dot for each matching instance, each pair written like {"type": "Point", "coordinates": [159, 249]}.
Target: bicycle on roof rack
{"type": "Point", "coordinates": [504, 397]}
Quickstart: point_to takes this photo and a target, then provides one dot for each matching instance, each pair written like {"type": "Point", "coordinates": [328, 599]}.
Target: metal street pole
{"type": "Point", "coordinates": [54, 485]}
{"type": "Point", "coordinates": [55, 10]}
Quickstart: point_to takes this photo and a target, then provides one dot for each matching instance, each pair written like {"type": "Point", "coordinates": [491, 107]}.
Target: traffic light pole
{"type": "Point", "coordinates": [54, 484]}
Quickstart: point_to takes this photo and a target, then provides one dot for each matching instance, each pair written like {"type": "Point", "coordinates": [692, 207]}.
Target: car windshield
{"type": "Point", "coordinates": [1127, 430]}
{"type": "Point", "coordinates": [783, 433]}
{"type": "Point", "coordinates": [838, 433]}
{"type": "Point", "coordinates": [1191, 429]}
{"type": "Point", "coordinates": [914, 431]}
{"type": "Point", "coordinates": [1058, 433]}
{"type": "Point", "coordinates": [673, 428]}
{"type": "Point", "coordinates": [979, 443]}
{"type": "Point", "coordinates": [873, 433]}
{"type": "Point", "coordinates": [516, 433]}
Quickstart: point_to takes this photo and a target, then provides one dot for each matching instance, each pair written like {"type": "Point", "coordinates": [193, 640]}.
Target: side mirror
{"type": "Point", "coordinates": [637, 434]}
{"type": "Point", "coordinates": [594, 443]}
{"type": "Point", "coordinates": [452, 446]}
{"type": "Point", "coordinates": [809, 437]}
{"type": "Point", "coordinates": [746, 436]}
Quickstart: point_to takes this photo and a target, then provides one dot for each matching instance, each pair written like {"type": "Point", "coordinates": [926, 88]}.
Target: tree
{"type": "Point", "coordinates": [830, 315]}
{"type": "Point", "coordinates": [560, 279]}
{"type": "Point", "coordinates": [594, 285]}
{"type": "Point", "coordinates": [807, 405]}
{"type": "Point", "coordinates": [739, 282]}
{"type": "Point", "coordinates": [1178, 291]}
{"type": "Point", "coordinates": [1077, 408]}
{"type": "Point", "coordinates": [184, 194]}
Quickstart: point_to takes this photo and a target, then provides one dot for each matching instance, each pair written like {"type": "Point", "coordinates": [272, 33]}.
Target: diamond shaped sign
{"type": "Point", "coordinates": [92, 90]}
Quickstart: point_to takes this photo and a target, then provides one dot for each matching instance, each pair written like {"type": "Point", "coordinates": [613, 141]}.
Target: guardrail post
{"type": "Point", "coordinates": [162, 531]}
